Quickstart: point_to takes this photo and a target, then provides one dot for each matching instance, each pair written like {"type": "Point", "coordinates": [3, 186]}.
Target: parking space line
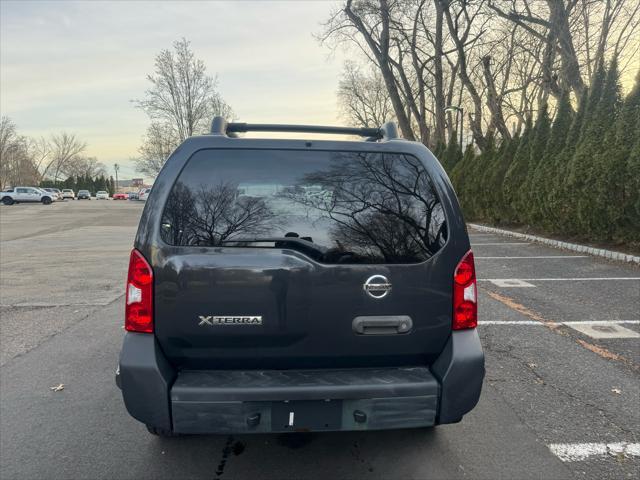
{"type": "Point", "coordinates": [532, 257]}
{"type": "Point", "coordinates": [576, 452]}
{"type": "Point", "coordinates": [568, 322]}
{"type": "Point", "coordinates": [574, 279]}
{"type": "Point", "coordinates": [52, 305]}
{"type": "Point", "coordinates": [511, 282]}
{"type": "Point", "coordinates": [600, 331]}
{"type": "Point", "coordinates": [498, 243]}
{"type": "Point", "coordinates": [553, 326]}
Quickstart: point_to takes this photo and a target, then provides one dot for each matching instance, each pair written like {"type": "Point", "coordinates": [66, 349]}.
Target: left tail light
{"type": "Point", "coordinates": [465, 296]}
{"type": "Point", "coordinates": [139, 296]}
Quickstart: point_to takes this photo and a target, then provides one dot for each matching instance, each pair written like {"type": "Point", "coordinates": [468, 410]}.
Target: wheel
{"type": "Point", "coordinates": [160, 432]}
{"type": "Point", "coordinates": [7, 201]}
{"type": "Point", "coordinates": [46, 201]}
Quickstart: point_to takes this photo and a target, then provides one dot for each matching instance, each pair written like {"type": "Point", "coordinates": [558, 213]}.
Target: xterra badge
{"type": "Point", "coordinates": [234, 320]}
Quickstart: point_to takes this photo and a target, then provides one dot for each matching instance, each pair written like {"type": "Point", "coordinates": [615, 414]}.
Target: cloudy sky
{"type": "Point", "coordinates": [75, 66]}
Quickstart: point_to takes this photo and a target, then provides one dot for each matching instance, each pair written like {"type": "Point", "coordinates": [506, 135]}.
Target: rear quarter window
{"type": "Point", "coordinates": [335, 207]}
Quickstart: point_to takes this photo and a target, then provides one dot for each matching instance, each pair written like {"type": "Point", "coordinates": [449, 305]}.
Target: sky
{"type": "Point", "coordinates": [76, 66]}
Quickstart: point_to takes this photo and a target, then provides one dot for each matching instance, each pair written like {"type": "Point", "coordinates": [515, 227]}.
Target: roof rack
{"type": "Point", "coordinates": [387, 131]}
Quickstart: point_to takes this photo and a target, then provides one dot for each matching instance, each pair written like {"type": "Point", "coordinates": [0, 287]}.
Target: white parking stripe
{"type": "Point", "coordinates": [511, 282]}
{"type": "Point", "coordinates": [575, 452]}
{"type": "Point", "coordinates": [605, 331]}
{"type": "Point", "coordinates": [581, 279]}
{"type": "Point", "coordinates": [534, 257]}
{"type": "Point", "coordinates": [499, 243]}
{"type": "Point", "coordinates": [569, 322]}
{"type": "Point", "coordinates": [55, 305]}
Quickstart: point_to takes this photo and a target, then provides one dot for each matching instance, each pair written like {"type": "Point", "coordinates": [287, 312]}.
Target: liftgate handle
{"type": "Point", "coordinates": [382, 325]}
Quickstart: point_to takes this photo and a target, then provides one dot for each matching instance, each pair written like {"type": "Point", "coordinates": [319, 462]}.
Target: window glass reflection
{"type": "Point", "coordinates": [335, 207]}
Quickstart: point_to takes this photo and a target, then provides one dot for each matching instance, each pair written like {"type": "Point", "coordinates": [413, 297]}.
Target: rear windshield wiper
{"type": "Point", "coordinates": [294, 243]}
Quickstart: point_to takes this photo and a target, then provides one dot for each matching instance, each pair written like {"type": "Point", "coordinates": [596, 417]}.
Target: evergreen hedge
{"type": "Point", "coordinates": [576, 176]}
{"type": "Point", "coordinates": [82, 182]}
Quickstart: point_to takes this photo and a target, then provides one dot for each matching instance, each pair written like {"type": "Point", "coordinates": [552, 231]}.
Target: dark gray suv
{"type": "Point", "coordinates": [291, 285]}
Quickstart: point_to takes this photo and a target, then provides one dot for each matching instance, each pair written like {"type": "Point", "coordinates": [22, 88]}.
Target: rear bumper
{"type": "Point", "coordinates": [292, 400]}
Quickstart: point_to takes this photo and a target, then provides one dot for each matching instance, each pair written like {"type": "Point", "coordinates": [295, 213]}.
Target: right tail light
{"type": "Point", "coordinates": [465, 296]}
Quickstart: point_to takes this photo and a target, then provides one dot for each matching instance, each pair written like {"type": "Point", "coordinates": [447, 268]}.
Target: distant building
{"type": "Point", "coordinates": [137, 182]}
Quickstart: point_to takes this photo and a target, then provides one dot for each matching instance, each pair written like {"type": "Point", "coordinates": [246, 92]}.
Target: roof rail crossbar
{"type": "Point", "coordinates": [220, 127]}
{"type": "Point", "coordinates": [260, 127]}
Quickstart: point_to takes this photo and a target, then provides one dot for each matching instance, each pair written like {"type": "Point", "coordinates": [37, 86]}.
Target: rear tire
{"type": "Point", "coordinates": [7, 201]}
{"type": "Point", "coordinates": [160, 432]}
{"type": "Point", "coordinates": [46, 201]}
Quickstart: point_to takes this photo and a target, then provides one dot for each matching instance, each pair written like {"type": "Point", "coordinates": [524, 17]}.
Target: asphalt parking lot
{"type": "Point", "coordinates": [559, 401]}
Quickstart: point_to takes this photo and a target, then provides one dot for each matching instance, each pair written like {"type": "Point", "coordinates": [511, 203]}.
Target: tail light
{"type": "Point", "coordinates": [139, 297]}
{"type": "Point", "coordinates": [465, 299]}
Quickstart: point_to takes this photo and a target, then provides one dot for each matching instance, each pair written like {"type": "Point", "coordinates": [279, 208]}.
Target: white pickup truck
{"type": "Point", "coordinates": [26, 194]}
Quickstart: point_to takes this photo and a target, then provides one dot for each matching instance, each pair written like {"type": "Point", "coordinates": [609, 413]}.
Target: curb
{"type": "Point", "coordinates": [596, 252]}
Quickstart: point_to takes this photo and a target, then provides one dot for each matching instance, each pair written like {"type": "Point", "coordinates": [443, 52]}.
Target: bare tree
{"type": "Point", "coordinates": [16, 162]}
{"type": "Point", "coordinates": [459, 24]}
{"type": "Point", "coordinates": [502, 61]}
{"type": "Point", "coordinates": [363, 98]}
{"type": "Point", "coordinates": [371, 20]}
{"type": "Point", "coordinates": [8, 138]}
{"type": "Point", "coordinates": [181, 102]}
{"type": "Point", "coordinates": [157, 144]}
{"type": "Point", "coordinates": [66, 149]}
{"type": "Point", "coordinates": [83, 166]}
{"type": "Point", "coordinates": [41, 153]}
{"type": "Point", "coordinates": [550, 25]}
{"type": "Point", "coordinates": [218, 107]}
{"type": "Point", "coordinates": [8, 135]}
{"type": "Point", "coordinates": [182, 95]}
{"type": "Point", "coordinates": [408, 44]}
{"type": "Point", "coordinates": [582, 33]}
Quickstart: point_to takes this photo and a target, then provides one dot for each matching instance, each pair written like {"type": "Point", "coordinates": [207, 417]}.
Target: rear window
{"type": "Point", "coordinates": [335, 207]}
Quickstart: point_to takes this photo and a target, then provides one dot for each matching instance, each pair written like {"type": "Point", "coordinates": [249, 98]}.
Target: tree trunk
{"type": "Point", "coordinates": [559, 20]}
{"type": "Point", "coordinates": [475, 120]}
{"type": "Point", "coordinates": [381, 52]}
{"type": "Point", "coordinates": [439, 114]}
{"type": "Point", "coordinates": [494, 102]}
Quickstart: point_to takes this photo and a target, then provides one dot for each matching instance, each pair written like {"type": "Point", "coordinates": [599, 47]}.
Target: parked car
{"type": "Point", "coordinates": [350, 308]}
{"type": "Point", "coordinates": [102, 195]}
{"type": "Point", "coordinates": [132, 195]}
{"type": "Point", "coordinates": [84, 195]}
{"type": "Point", "coordinates": [55, 191]}
{"type": "Point", "coordinates": [143, 194]}
{"type": "Point", "coordinates": [120, 196]}
{"type": "Point", "coordinates": [68, 193]}
{"type": "Point", "coordinates": [27, 195]}
{"type": "Point", "coordinates": [53, 195]}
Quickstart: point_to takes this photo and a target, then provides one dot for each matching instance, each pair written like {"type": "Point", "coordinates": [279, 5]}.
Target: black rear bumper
{"type": "Point", "coordinates": [293, 400]}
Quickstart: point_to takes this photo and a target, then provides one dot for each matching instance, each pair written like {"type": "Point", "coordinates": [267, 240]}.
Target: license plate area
{"type": "Point", "coordinates": [306, 415]}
